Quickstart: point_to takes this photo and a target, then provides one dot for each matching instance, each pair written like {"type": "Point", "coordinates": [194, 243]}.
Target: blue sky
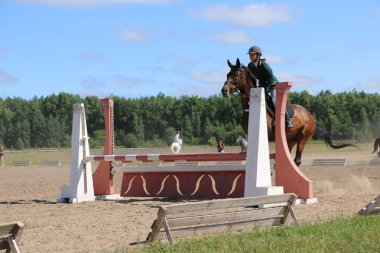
{"type": "Point", "coordinates": [137, 48]}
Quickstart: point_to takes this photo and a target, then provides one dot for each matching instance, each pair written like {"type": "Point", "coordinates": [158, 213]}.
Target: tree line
{"type": "Point", "coordinates": [45, 122]}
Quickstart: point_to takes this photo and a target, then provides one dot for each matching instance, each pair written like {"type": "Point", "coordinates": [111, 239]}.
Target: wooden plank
{"type": "Point", "coordinates": [167, 231]}
{"type": "Point", "coordinates": [186, 163]}
{"type": "Point", "coordinates": [13, 228]}
{"type": "Point", "coordinates": [222, 215]}
{"type": "Point", "coordinates": [226, 217]}
{"type": "Point", "coordinates": [13, 245]}
{"type": "Point", "coordinates": [372, 207]}
{"type": "Point", "coordinates": [291, 204]}
{"type": "Point", "coordinates": [228, 203]}
{"type": "Point", "coordinates": [218, 228]}
{"type": "Point", "coordinates": [51, 163]}
{"type": "Point", "coordinates": [179, 168]}
{"type": "Point", "coordinates": [329, 162]}
{"type": "Point", "coordinates": [22, 163]}
{"type": "Point", "coordinates": [231, 162]}
{"type": "Point", "coordinates": [157, 224]}
{"type": "Point", "coordinates": [375, 162]}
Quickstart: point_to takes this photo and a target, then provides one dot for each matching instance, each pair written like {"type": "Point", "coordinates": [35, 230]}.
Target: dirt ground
{"type": "Point", "coordinates": [29, 194]}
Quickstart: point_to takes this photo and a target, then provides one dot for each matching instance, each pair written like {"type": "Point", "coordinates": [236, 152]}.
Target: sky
{"type": "Point", "coordinates": [139, 48]}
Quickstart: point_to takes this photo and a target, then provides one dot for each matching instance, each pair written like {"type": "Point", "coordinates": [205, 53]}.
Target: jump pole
{"type": "Point", "coordinates": [287, 173]}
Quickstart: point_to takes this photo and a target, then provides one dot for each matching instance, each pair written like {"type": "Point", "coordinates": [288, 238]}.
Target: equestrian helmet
{"type": "Point", "coordinates": [254, 49]}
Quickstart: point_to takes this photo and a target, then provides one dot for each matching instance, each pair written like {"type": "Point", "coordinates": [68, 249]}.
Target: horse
{"type": "Point", "coordinates": [376, 146]}
{"type": "Point", "coordinates": [243, 144]}
{"type": "Point", "coordinates": [241, 80]}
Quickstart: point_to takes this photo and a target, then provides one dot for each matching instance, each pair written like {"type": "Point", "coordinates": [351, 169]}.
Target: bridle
{"type": "Point", "coordinates": [236, 82]}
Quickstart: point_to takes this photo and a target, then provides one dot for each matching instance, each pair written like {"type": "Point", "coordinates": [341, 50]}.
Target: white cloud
{"type": "Point", "coordinates": [376, 11]}
{"type": "Point", "coordinates": [278, 60]}
{"type": "Point", "coordinates": [91, 56]}
{"type": "Point", "coordinates": [249, 15]}
{"type": "Point", "coordinates": [233, 37]}
{"type": "Point", "coordinates": [84, 3]}
{"type": "Point", "coordinates": [373, 86]}
{"type": "Point", "coordinates": [299, 81]}
{"type": "Point", "coordinates": [96, 93]}
{"type": "Point", "coordinates": [123, 81]}
{"type": "Point", "coordinates": [321, 58]}
{"type": "Point", "coordinates": [211, 77]}
{"type": "Point", "coordinates": [275, 60]}
{"type": "Point", "coordinates": [173, 62]}
{"type": "Point", "coordinates": [3, 49]}
{"type": "Point", "coordinates": [92, 83]}
{"type": "Point", "coordinates": [130, 34]}
{"type": "Point", "coordinates": [200, 90]}
{"type": "Point", "coordinates": [6, 78]}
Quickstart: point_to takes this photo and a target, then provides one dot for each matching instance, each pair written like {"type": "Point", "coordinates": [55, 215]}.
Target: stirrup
{"type": "Point", "coordinates": [289, 124]}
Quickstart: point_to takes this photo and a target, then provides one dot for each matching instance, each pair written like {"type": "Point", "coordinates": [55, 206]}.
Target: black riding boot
{"type": "Point", "coordinates": [288, 121]}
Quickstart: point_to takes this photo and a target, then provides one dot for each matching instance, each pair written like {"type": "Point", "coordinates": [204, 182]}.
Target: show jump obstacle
{"type": "Point", "coordinates": [198, 175]}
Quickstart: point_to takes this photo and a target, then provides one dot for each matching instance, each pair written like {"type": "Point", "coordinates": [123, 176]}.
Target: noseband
{"type": "Point", "coordinates": [237, 81]}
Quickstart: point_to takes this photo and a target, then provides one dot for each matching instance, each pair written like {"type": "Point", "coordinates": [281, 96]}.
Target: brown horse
{"type": "Point", "coordinates": [376, 146]}
{"type": "Point", "coordinates": [241, 80]}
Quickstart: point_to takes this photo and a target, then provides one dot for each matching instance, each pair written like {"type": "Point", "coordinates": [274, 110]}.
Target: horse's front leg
{"type": "Point", "coordinates": [244, 122]}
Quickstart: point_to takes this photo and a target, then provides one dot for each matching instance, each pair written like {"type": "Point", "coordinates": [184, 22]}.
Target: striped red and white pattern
{"type": "Point", "coordinates": [171, 157]}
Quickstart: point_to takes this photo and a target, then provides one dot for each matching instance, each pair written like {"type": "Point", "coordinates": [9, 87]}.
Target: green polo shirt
{"type": "Point", "coordinates": [265, 75]}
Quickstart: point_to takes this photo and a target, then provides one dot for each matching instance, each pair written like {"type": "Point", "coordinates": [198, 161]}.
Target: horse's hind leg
{"type": "Point", "coordinates": [291, 145]}
{"type": "Point", "coordinates": [300, 146]}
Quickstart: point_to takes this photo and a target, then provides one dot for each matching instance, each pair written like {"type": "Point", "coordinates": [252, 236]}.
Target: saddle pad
{"type": "Point", "coordinates": [270, 109]}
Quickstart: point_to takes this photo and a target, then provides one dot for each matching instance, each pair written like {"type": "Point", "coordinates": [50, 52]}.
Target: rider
{"type": "Point", "coordinates": [220, 145]}
{"type": "Point", "coordinates": [177, 138]}
{"type": "Point", "coordinates": [261, 70]}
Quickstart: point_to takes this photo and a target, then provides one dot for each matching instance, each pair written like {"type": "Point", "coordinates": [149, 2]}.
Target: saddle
{"type": "Point", "coordinates": [271, 107]}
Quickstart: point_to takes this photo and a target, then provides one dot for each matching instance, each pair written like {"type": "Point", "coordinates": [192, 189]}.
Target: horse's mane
{"type": "Point", "coordinates": [251, 76]}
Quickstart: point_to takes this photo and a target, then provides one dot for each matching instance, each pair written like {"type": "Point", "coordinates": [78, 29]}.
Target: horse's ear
{"type": "Point", "coordinates": [229, 63]}
{"type": "Point", "coordinates": [238, 62]}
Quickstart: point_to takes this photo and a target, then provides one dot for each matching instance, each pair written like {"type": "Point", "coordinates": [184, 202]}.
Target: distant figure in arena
{"type": "Point", "coordinates": [220, 145]}
{"type": "Point", "coordinates": [243, 144]}
{"type": "Point", "coordinates": [177, 138]}
{"type": "Point", "coordinates": [1, 155]}
{"type": "Point", "coordinates": [376, 146]}
{"type": "Point", "coordinates": [177, 143]}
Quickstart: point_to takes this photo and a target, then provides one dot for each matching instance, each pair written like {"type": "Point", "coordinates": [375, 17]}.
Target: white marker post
{"type": "Point", "coordinates": [258, 180]}
{"type": "Point", "coordinates": [81, 186]}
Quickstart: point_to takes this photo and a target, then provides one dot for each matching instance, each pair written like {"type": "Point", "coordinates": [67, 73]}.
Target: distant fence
{"type": "Point", "coordinates": [22, 163]}
{"type": "Point", "coordinates": [329, 162]}
{"type": "Point", "coordinates": [51, 163]}
{"type": "Point", "coordinates": [375, 162]}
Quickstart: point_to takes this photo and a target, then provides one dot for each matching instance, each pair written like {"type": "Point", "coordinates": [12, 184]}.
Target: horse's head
{"type": "Point", "coordinates": [237, 79]}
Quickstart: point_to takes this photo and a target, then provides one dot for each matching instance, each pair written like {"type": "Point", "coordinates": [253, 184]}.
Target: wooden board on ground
{"type": "Point", "coordinates": [51, 163]}
{"type": "Point", "coordinates": [329, 162]}
{"type": "Point", "coordinates": [375, 162]}
{"type": "Point", "coordinates": [22, 163]}
{"type": "Point", "coordinates": [221, 215]}
{"type": "Point", "coordinates": [10, 235]}
{"type": "Point", "coordinates": [372, 207]}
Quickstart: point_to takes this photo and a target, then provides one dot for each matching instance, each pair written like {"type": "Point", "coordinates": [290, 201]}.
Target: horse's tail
{"type": "Point", "coordinates": [321, 132]}
{"type": "Point", "coordinates": [375, 145]}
